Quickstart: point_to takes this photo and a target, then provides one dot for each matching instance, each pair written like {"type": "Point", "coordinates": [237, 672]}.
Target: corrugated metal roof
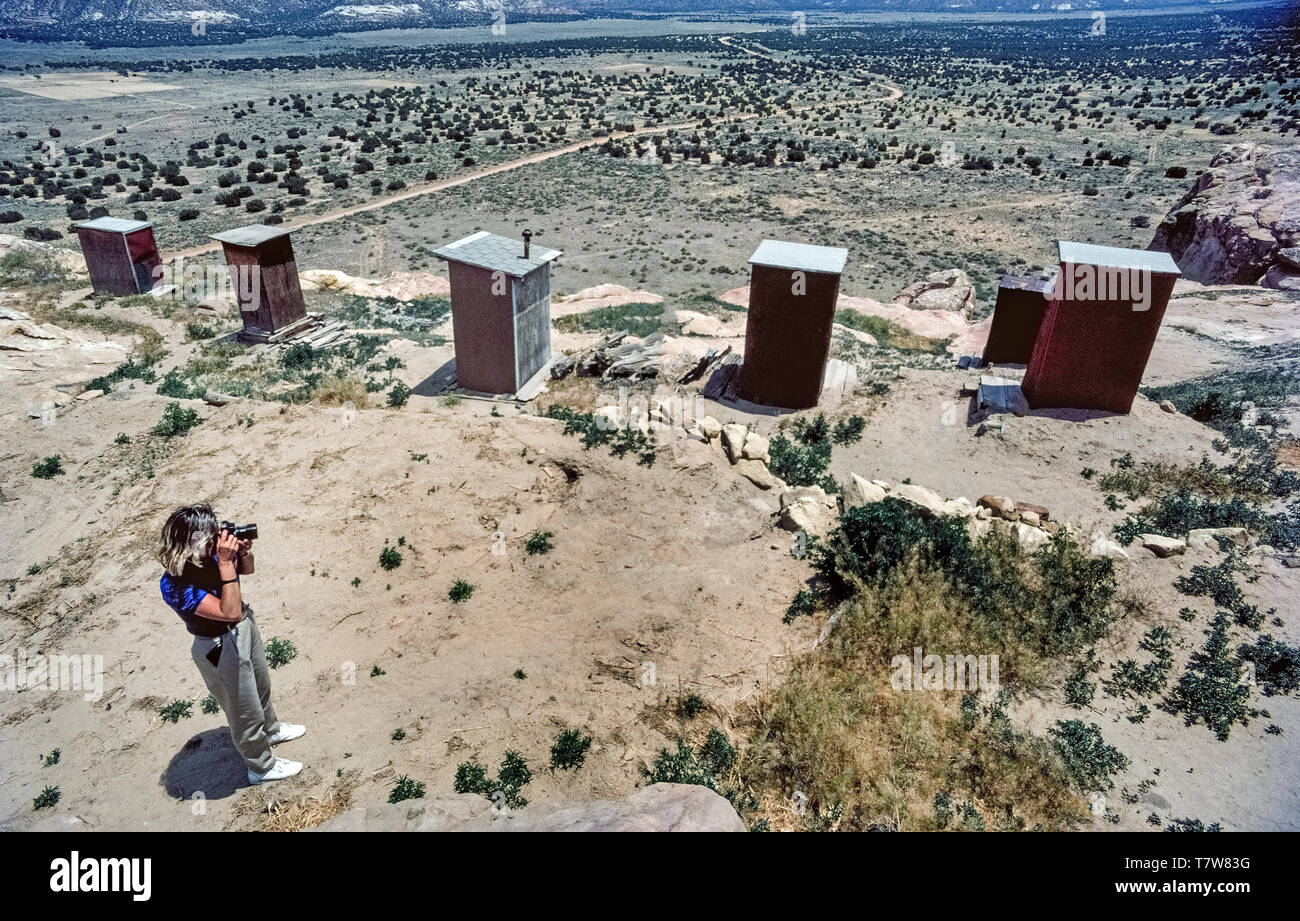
{"type": "Point", "coordinates": [1115, 257]}
{"type": "Point", "coordinates": [114, 225]}
{"type": "Point", "coordinates": [800, 257]}
{"type": "Point", "coordinates": [497, 254]}
{"type": "Point", "coordinates": [252, 235]}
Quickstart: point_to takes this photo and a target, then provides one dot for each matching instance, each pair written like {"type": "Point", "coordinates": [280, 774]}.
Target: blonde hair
{"type": "Point", "coordinates": [187, 537]}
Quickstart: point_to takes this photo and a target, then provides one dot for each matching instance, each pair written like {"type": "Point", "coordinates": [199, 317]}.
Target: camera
{"type": "Point", "coordinates": [240, 531]}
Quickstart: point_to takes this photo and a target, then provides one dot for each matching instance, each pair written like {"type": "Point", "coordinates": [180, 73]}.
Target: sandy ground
{"type": "Point", "coordinates": [676, 571]}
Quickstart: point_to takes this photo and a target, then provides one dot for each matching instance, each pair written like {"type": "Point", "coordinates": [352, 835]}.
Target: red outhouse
{"type": "Point", "coordinates": [793, 288]}
{"type": "Point", "coordinates": [121, 255]}
{"type": "Point", "coordinates": [1097, 332]}
{"type": "Point", "coordinates": [265, 276]}
{"type": "Point", "coordinates": [1017, 316]}
{"type": "Point", "coordinates": [500, 310]}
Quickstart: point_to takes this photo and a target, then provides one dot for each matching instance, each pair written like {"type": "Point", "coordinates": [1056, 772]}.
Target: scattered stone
{"type": "Point", "coordinates": [807, 509]}
{"type": "Point", "coordinates": [1031, 518]}
{"type": "Point", "coordinates": [90, 394]}
{"type": "Point", "coordinates": [997, 428]}
{"type": "Point", "coordinates": [1038, 510]}
{"type": "Point", "coordinates": [756, 448]}
{"type": "Point", "coordinates": [1000, 506]}
{"type": "Point", "coordinates": [1103, 546]}
{"type": "Point", "coordinates": [757, 473]}
{"type": "Point", "coordinates": [1029, 537]}
{"type": "Point", "coordinates": [861, 492]}
{"type": "Point", "coordinates": [1208, 537]}
{"type": "Point", "coordinates": [927, 501]}
{"type": "Point", "coordinates": [711, 427]}
{"type": "Point", "coordinates": [1168, 406]}
{"type": "Point", "coordinates": [1163, 546]}
{"type": "Point", "coordinates": [1291, 562]}
{"type": "Point", "coordinates": [961, 507]}
{"type": "Point", "coordinates": [733, 440]}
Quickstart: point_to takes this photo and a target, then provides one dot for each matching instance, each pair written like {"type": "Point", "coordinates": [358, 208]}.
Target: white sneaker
{"type": "Point", "coordinates": [287, 732]}
{"type": "Point", "coordinates": [282, 768]}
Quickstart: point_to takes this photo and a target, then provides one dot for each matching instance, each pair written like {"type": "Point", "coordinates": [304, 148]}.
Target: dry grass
{"type": "Point", "coordinates": [270, 814]}
{"type": "Point", "coordinates": [337, 391]}
{"type": "Point", "coordinates": [864, 753]}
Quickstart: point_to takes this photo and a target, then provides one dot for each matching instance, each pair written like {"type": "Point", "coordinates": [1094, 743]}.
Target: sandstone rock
{"type": "Point", "coordinates": [757, 473]}
{"type": "Point", "coordinates": [1104, 546]}
{"type": "Point", "coordinates": [861, 492]}
{"type": "Point", "coordinates": [961, 507]}
{"type": "Point", "coordinates": [1241, 213]}
{"type": "Point", "coordinates": [1039, 510]}
{"type": "Point", "coordinates": [1000, 506]}
{"type": "Point", "coordinates": [1163, 546]}
{"type": "Point", "coordinates": [1029, 537]}
{"type": "Point", "coordinates": [1208, 537]}
{"type": "Point", "coordinates": [733, 440]}
{"type": "Point", "coordinates": [711, 427]}
{"type": "Point", "coordinates": [658, 807]}
{"type": "Point", "coordinates": [1168, 406]}
{"type": "Point", "coordinates": [755, 448]}
{"type": "Point", "coordinates": [90, 394]}
{"type": "Point", "coordinates": [927, 501]}
{"type": "Point", "coordinates": [1030, 518]}
{"type": "Point", "coordinates": [883, 484]}
{"type": "Point", "coordinates": [807, 509]}
{"type": "Point", "coordinates": [949, 290]}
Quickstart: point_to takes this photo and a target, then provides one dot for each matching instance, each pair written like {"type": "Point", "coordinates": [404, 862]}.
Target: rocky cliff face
{"type": "Point", "coordinates": [1240, 222]}
{"type": "Point", "coordinates": [658, 807]}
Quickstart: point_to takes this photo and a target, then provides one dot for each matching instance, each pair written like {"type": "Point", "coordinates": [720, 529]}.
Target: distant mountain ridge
{"type": "Point", "coordinates": [79, 19]}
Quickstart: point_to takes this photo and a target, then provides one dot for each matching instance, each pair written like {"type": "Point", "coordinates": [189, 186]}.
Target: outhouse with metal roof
{"type": "Point", "coordinates": [121, 255]}
{"type": "Point", "coordinates": [793, 288]}
{"type": "Point", "coordinates": [265, 276]}
{"type": "Point", "coordinates": [500, 310]}
{"type": "Point", "coordinates": [1100, 325]}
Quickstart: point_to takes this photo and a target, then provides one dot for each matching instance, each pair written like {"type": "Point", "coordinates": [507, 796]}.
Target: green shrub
{"type": "Point", "coordinates": [48, 798]}
{"type": "Point", "coordinates": [569, 750]}
{"type": "Point", "coordinates": [280, 652]}
{"type": "Point", "coordinates": [539, 542]}
{"type": "Point", "coordinates": [398, 396]}
{"type": "Point", "coordinates": [390, 558]}
{"type": "Point", "coordinates": [176, 421]}
{"type": "Point", "coordinates": [803, 605]}
{"type": "Point", "coordinates": [405, 789]}
{"type": "Point", "coordinates": [1209, 691]}
{"type": "Point", "coordinates": [209, 704]}
{"type": "Point", "coordinates": [176, 711]}
{"type": "Point", "coordinates": [1277, 665]}
{"type": "Point", "coordinates": [48, 468]}
{"type": "Point", "coordinates": [460, 591]}
{"type": "Point", "coordinates": [1088, 759]}
{"type": "Point", "coordinates": [691, 706]}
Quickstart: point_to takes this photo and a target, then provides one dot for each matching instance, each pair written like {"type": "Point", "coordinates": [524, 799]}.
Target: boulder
{"type": "Point", "coordinates": [1237, 219]}
{"type": "Point", "coordinates": [1028, 536]}
{"type": "Point", "coordinates": [927, 501]}
{"type": "Point", "coordinates": [1000, 506]}
{"type": "Point", "coordinates": [1163, 546]}
{"type": "Point", "coordinates": [1039, 510]}
{"type": "Point", "coordinates": [757, 473]}
{"type": "Point", "coordinates": [961, 507]}
{"type": "Point", "coordinates": [807, 509]}
{"type": "Point", "coordinates": [948, 290]}
{"type": "Point", "coordinates": [711, 427]}
{"type": "Point", "coordinates": [1031, 518]}
{"type": "Point", "coordinates": [733, 440]}
{"type": "Point", "coordinates": [658, 807]}
{"type": "Point", "coordinates": [1208, 537]}
{"type": "Point", "coordinates": [861, 492]}
{"type": "Point", "coordinates": [756, 448]}
{"type": "Point", "coordinates": [1102, 545]}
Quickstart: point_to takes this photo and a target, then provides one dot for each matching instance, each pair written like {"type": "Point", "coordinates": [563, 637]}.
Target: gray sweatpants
{"type": "Point", "coordinates": [241, 683]}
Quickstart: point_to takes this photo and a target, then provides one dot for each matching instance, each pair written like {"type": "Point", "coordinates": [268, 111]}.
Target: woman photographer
{"type": "Point", "coordinates": [203, 563]}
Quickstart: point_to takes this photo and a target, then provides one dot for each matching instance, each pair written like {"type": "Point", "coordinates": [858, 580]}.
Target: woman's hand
{"type": "Point", "coordinates": [227, 547]}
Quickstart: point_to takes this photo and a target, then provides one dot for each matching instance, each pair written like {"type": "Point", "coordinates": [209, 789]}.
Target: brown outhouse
{"type": "Point", "coordinates": [793, 288]}
{"type": "Point", "coordinates": [500, 310]}
{"type": "Point", "coordinates": [1017, 315]}
{"type": "Point", "coordinates": [121, 255]}
{"type": "Point", "coordinates": [1097, 332]}
{"type": "Point", "coordinates": [265, 276]}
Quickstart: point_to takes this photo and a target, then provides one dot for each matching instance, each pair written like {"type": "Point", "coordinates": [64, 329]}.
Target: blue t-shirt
{"type": "Point", "coordinates": [185, 592]}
